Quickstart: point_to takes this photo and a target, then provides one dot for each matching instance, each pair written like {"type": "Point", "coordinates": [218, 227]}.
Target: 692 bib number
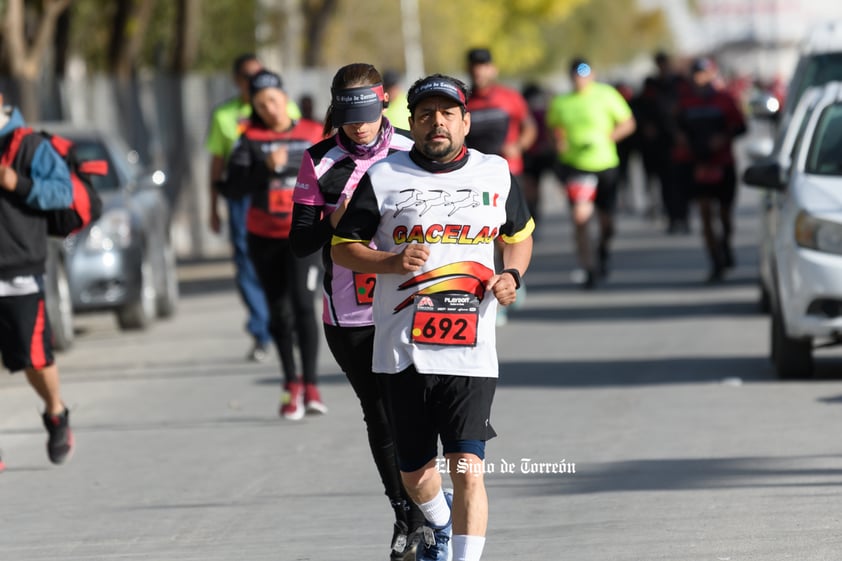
{"type": "Point", "coordinates": [445, 319]}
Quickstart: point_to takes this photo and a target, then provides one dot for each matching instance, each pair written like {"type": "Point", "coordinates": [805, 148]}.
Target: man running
{"type": "Point", "coordinates": [588, 122]}
{"type": "Point", "coordinates": [435, 214]}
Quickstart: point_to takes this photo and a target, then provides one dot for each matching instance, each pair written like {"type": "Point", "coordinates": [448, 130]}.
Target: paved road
{"type": "Point", "coordinates": [655, 389]}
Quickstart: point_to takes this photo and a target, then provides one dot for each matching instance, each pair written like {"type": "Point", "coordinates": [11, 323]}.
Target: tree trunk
{"type": "Point", "coordinates": [131, 20]}
{"type": "Point", "coordinates": [317, 14]}
{"type": "Point", "coordinates": [23, 60]}
{"type": "Point", "coordinates": [186, 36]}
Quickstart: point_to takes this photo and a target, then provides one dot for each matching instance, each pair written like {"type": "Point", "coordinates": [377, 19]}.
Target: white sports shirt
{"type": "Point", "coordinates": [439, 319]}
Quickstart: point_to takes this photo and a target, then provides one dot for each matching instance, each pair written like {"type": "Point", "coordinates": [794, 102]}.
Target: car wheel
{"type": "Point", "coordinates": [60, 308]}
{"type": "Point", "coordinates": [168, 299]}
{"type": "Point", "coordinates": [793, 358]}
{"type": "Point", "coordinates": [140, 313]}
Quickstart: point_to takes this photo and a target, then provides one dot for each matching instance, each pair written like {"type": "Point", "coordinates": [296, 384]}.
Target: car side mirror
{"type": "Point", "coordinates": [765, 174]}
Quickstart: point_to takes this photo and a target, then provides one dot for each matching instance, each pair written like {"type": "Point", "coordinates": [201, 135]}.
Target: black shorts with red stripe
{"type": "Point", "coordinates": [25, 335]}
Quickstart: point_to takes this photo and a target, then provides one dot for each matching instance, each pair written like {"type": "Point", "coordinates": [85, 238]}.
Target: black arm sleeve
{"type": "Point", "coordinates": [309, 233]}
{"type": "Point", "coordinates": [245, 174]}
{"type": "Point", "coordinates": [517, 211]}
{"type": "Point", "coordinates": [362, 216]}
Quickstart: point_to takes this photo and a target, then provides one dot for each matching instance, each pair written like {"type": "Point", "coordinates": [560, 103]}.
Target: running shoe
{"type": "Point", "coordinates": [435, 542]}
{"type": "Point", "coordinates": [60, 441]}
{"type": "Point", "coordinates": [728, 261]}
{"type": "Point", "coordinates": [590, 281]}
{"type": "Point", "coordinates": [400, 542]}
{"type": "Point", "coordinates": [258, 353]}
{"type": "Point", "coordinates": [604, 260]}
{"type": "Point", "coordinates": [313, 404]}
{"type": "Point", "coordinates": [292, 401]}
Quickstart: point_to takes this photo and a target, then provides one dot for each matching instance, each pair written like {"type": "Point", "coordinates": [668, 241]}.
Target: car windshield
{"type": "Point", "coordinates": [819, 70]}
{"type": "Point", "coordinates": [825, 155]}
{"type": "Point", "coordinates": [94, 150]}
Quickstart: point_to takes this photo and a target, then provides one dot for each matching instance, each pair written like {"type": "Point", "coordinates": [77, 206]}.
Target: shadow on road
{"type": "Point", "coordinates": [681, 475]}
{"type": "Point", "coordinates": [634, 372]}
{"type": "Point", "coordinates": [637, 312]}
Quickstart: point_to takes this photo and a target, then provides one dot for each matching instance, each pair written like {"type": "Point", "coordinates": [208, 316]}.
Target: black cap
{"type": "Point", "coordinates": [479, 56]}
{"type": "Point", "coordinates": [264, 79]}
{"type": "Point", "coordinates": [391, 78]}
{"type": "Point", "coordinates": [363, 104]}
{"type": "Point", "coordinates": [437, 85]}
{"type": "Point", "coordinates": [700, 64]}
{"type": "Point", "coordinates": [661, 57]}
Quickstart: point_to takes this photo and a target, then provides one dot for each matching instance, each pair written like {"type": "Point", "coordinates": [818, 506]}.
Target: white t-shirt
{"type": "Point", "coordinates": [439, 319]}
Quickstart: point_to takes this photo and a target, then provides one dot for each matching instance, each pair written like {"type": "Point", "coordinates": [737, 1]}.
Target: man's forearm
{"type": "Point", "coordinates": [358, 257]}
{"type": "Point", "coordinates": [518, 255]}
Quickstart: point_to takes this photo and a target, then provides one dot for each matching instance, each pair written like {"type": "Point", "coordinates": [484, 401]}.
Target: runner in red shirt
{"type": "Point", "coordinates": [501, 122]}
{"type": "Point", "coordinates": [264, 164]}
{"type": "Point", "coordinates": [709, 119]}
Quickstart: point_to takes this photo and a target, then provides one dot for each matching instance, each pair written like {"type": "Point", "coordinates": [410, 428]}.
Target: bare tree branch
{"type": "Point", "coordinates": [131, 20]}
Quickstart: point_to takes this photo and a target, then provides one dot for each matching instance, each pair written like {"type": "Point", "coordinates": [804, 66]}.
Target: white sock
{"type": "Point", "coordinates": [436, 511]}
{"type": "Point", "coordinates": [467, 548]}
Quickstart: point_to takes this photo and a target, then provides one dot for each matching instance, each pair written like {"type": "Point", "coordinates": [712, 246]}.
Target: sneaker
{"type": "Point", "coordinates": [435, 542]}
{"type": "Point", "coordinates": [60, 441]}
{"type": "Point", "coordinates": [313, 404]}
{"type": "Point", "coordinates": [2, 465]}
{"type": "Point", "coordinates": [292, 401]}
{"type": "Point", "coordinates": [728, 261]}
{"type": "Point", "coordinates": [604, 259]}
{"type": "Point", "coordinates": [258, 353]}
{"type": "Point", "coordinates": [400, 541]}
{"type": "Point", "coordinates": [590, 281]}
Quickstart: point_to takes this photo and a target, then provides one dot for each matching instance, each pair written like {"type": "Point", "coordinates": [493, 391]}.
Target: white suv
{"type": "Point", "coordinates": [801, 249]}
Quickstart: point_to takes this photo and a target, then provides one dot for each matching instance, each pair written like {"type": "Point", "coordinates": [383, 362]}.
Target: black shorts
{"type": "Point", "coordinates": [721, 187]}
{"type": "Point", "coordinates": [534, 165]}
{"type": "Point", "coordinates": [426, 407]}
{"type": "Point", "coordinates": [25, 335]}
{"type": "Point", "coordinates": [606, 186]}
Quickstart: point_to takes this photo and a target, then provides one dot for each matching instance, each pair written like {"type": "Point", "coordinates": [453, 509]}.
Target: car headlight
{"type": "Point", "coordinates": [112, 230]}
{"type": "Point", "coordinates": [818, 234]}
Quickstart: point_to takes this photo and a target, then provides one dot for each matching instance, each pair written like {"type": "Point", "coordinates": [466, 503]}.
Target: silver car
{"type": "Point", "coordinates": [124, 261]}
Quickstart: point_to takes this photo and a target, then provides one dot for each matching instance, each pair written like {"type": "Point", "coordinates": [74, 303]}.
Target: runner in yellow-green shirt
{"type": "Point", "coordinates": [587, 124]}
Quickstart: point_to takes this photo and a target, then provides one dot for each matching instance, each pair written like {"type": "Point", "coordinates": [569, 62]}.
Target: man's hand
{"type": "Point", "coordinates": [412, 258]}
{"type": "Point", "coordinates": [277, 159]}
{"type": "Point", "coordinates": [8, 178]}
{"type": "Point", "coordinates": [504, 288]}
{"type": "Point", "coordinates": [215, 222]}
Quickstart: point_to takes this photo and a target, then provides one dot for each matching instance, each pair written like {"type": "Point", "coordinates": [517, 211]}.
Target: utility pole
{"type": "Point", "coordinates": [412, 51]}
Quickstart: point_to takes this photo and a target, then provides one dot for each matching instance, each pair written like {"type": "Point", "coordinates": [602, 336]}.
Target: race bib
{"type": "Point", "coordinates": [280, 198]}
{"type": "Point", "coordinates": [364, 287]}
{"type": "Point", "coordinates": [446, 319]}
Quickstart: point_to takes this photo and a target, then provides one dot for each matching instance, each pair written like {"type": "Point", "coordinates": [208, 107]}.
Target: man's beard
{"type": "Point", "coordinates": [437, 150]}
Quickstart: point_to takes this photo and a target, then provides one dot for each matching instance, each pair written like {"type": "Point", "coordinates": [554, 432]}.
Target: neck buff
{"type": "Point", "coordinates": [384, 139]}
{"type": "Point", "coordinates": [438, 167]}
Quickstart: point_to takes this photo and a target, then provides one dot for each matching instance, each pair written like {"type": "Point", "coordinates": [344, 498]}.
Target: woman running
{"type": "Point", "coordinates": [264, 164]}
{"type": "Point", "coordinates": [329, 173]}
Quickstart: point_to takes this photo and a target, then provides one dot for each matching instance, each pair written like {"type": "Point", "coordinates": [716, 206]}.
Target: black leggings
{"type": "Point", "coordinates": [352, 347]}
{"type": "Point", "coordinates": [290, 285]}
